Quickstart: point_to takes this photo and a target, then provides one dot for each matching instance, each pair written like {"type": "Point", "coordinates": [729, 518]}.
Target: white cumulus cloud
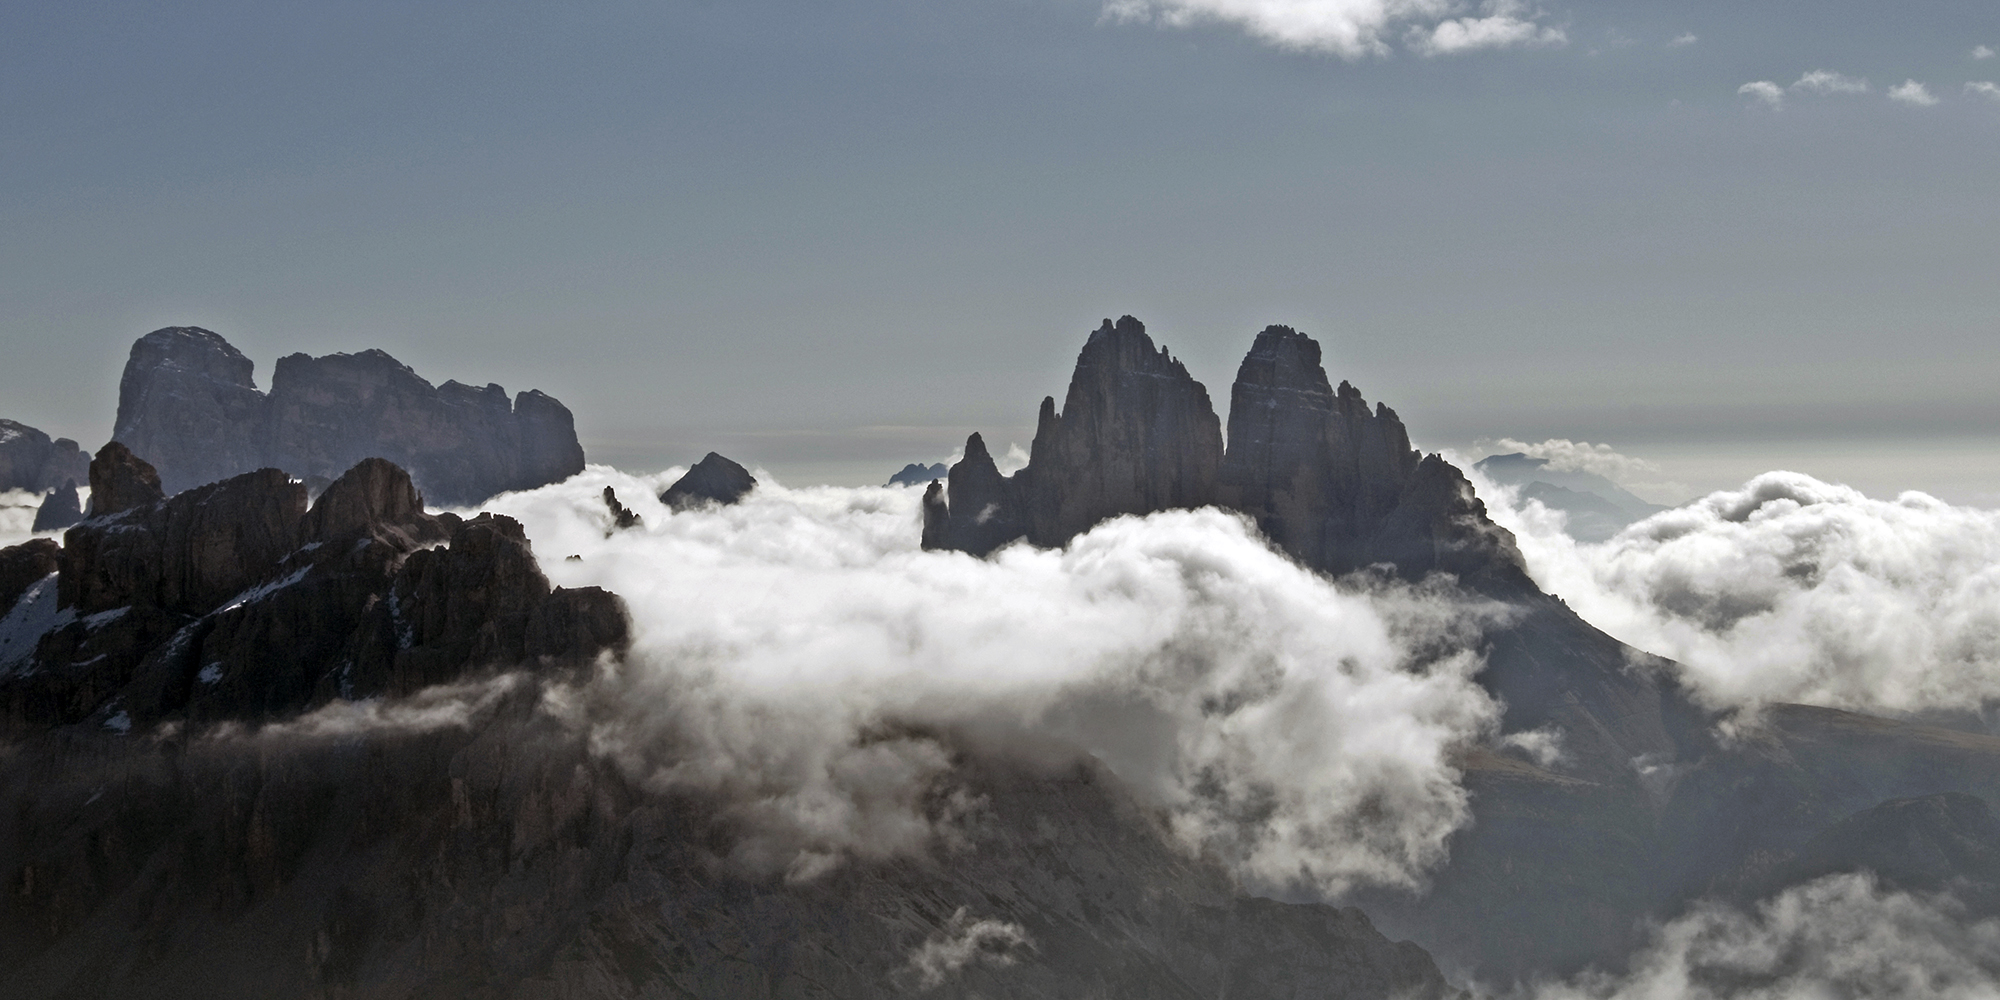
{"type": "Point", "coordinates": [1357, 28]}
{"type": "Point", "coordinates": [1501, 24]}
{"type": "Point", "coordinates": [1912, 92]}
{"type": "Point", "coordinates": [1792, 590]}
{"type": "Point", "coordinates": [1984, 88]}
{"type": "Point", "coordinates": [800, 660]}
{"type": "Point", "coordinates": [1822, 81]}
{"type": "Point", "coordinates": [1982, 52]}
{"type": "Point", "coordinates": [1765, 91]}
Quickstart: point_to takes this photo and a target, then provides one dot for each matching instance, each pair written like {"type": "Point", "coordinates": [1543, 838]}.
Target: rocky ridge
{"type": "Point", "coordinates": [1332, 483]}
{"type": "Point", "coordinates": [31, 461]}
{"type": "Point", "coordinates": [1136, 434]}
{"type": "Point", "coordinates": [713, 480]}
{"type": "Point", "coordinates": [239, 600]}
{"type": "Point", "coordinates": [189, 405]}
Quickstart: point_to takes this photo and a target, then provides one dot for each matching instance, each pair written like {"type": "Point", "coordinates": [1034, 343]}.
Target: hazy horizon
{"type": "Point", "coordinates": [1724, 238]}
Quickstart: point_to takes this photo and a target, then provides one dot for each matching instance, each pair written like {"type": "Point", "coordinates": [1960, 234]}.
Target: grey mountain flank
{"type": "Point", "coordinates": [189, 405]}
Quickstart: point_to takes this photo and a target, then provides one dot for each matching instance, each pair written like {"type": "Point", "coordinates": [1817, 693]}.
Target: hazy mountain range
{"type": "Point", "coordinates": [1272, 707]}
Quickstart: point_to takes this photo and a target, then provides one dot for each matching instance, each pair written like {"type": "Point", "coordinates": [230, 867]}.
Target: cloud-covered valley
{"type": "Point", "coordinates": [799, 657]}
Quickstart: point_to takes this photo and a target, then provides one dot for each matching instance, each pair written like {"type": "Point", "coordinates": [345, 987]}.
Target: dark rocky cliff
{"type": "Point", "coordinates": [1136, 434]}
{"type": "Point", "coordinates": [1337, 486]}
{"type": "Point", "coordinates": [188, 404]}
{"type": "Point", "coordinates": [236, 600]}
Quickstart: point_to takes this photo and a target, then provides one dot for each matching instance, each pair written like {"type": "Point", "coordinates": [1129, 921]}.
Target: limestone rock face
{"type": "Point", "coordinates": [1338, 487]}
{"type": "Point", "coordinates": [985, 509]}
{"type": "Point", "coordinates": [187, 553]}
{"type": "Point", "coordinates": [235, 601]}
{"type": "Point", "coordinates": [120, 481]}
{"type": "Point", "coordinates": [937, 517]}
{"type": "Point", "coordinates": [188, 404]}
{"type": "Point", "coordinates": [1136, 434]}
{"type": "Point", "coordinates": [713, 480]}
{"type": "Point", "coordinates": [373, 498]}
{"type": "Point", "coordinates": [22, 565]}
{"type": "Point", "coordinates": [30, 461]}
{"type": "Point", "coordinates": [60, 509]}
{"type": "Point", "coordinates": [460, 444]}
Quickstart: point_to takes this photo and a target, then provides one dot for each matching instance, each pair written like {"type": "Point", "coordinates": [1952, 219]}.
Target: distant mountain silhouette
{"type": "Point", "coordinates": [188, 405]}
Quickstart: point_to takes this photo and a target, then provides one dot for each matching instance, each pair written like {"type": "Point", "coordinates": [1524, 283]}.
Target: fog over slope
{"type": "Point", "coordinates": [799, 655]}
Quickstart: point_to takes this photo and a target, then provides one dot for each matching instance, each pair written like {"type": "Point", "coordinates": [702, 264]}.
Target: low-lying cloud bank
{"type": "Point", "coordinates": [1839, 936]}
{"type": "Point", "coordinates": [799, 658]}
{"type": "Point", "coordinates": [1792, 590]}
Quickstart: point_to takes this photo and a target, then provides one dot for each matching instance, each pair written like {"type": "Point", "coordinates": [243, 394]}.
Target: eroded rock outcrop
{"type": "Point", "coordinates": [235, 600]}
{"type": "Point", "coordinates": [30, 460]}
{"type": "Point", "coordinates": [22, 566]}
{"type": "Point", "coordinates": [622, 517]}
{"type": "Point", "coordinates": [713, 480]}
{"type": "Point", "coordinates": [188, 404]}
{"type": "Point", "coordinates": [1136, 434]}
{"type": "Point", "coordinates": [1338, 486]}
{"type": "Point", "coordinates": [983, 509]}
{"type": "Point", "coordinates": [60, 509]}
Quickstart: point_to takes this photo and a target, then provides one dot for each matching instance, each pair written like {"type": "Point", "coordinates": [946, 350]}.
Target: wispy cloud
{"type": "Point", "coordinates": [1504, 24]}
{"type": "Point", "coordinates": [1913, 93]}
{"type": "Point", "coordinates": [1984, 88]}
{"type": "Point", "coordinates": [1357, 28]}
{"type": "Point", "coordinates": [1764, 91]}
{"type": "Point", "coordinates": [1683, 41]}
{"type": "Point", "coordinates": [1564, 455]}
{"type": "Point", "coordinates": [965, 941]}
{"type": "Point", "coordinates": [1982, 52]}
{"type": "Point", "coordinates": [1822, 81]}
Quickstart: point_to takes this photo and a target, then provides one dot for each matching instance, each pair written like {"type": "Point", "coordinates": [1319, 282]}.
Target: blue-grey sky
{"type": "Point", "coordinates": [831, 238]}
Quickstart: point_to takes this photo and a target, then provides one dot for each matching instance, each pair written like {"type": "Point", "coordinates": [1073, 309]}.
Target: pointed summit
{"type": "Point", "coordinates": [1136, 434]}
